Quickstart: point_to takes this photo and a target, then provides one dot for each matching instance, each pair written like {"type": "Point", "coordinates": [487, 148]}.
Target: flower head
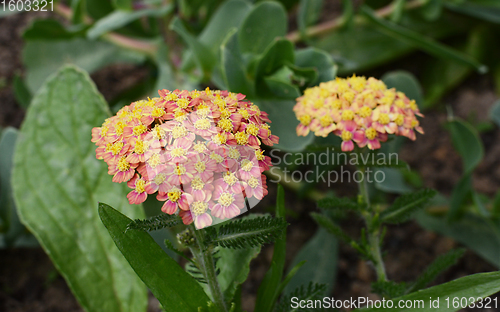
{"type": "Point", "coordinates": [358, 110]}
{"type": "Point", "coordinates": [199, 152]}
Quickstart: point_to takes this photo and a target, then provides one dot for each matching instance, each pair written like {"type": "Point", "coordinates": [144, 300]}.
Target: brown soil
{"type": "Point", "coordinates": [29, 282]}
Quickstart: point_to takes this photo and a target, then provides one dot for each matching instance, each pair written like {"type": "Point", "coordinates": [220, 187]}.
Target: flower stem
{"type": "Point", "coordinates": [373, 234]}
{"type": "Point", "coordinates": [207, 267]}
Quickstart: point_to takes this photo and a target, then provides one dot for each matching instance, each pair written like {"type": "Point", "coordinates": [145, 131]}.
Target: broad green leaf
{"type": "Point", "coordinates": [57, 183]}
{"type": "Point", "coordinates": [392, 181]}
{"type": "Point", "coordinates": [321, 255]}
{"type": "Point", "coordinates": [405, 82]}
{"type": "Point", "coordinates": [21, 92]}
{"type": "Point", "coordinates": [267, 293]}
{"type": "Point", "coordinates": [234, 265]}
{"type": "Point", "coordinates": [42, 58]}
{"type": "Point", "coordinates": [398, 8]}
{"type": "Point", "coordinates": [125, 5]}
{"type": "Point", "coordinates": [277, 55]}
{"type": "Point", "coordinates": [319, 60]}
{"type": "Point", "coordinates": [266, 22]}
{"type": "Point", "coordinates": [473, 286]}
{"type": "Point", "coordinates": [422, 42]}
{"type": "Point", "coordinates": [118, 19]}
{"type": "Point", "coordinates": [406, 205]}
{"type": "Point", "coordinates": [78, 11]}
{"type": "Point", "coordinates": [97, 9]}
{"type": "Point", "coordinates": [280, 84]}
{"type": "Point", "coordinates": [204, 57]}
{"type": "Point", "coordinates": [495, 113]}
{"type": "Point", "coordinates": [489, 13]}
{"type": "Point", "coordinates": [467, 142]}
{"type": "Point", "coordinates": [172, 286]}
{"type": "Point", "coordinates": [12, 232]}
{"type": "Point", "coordinates": [478, 234]}
{"type": "Point", "coordinates": [284, 124]}
{"type": "Point", "coordinates": [308, 13]}
{"type": "Point", "coordinates": [49, 29]}
{"type": "Point", "coordinates": [233, 70]}
{"type": "Point", "coordinates": [229, 15]}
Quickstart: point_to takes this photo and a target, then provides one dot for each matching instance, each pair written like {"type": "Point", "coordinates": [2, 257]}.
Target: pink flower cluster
{"type": "Point", "coordinates": [358, 110]}
{"type": "Point", "coordinates": [199, 151]}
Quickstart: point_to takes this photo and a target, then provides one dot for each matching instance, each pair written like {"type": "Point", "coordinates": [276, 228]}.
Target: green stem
{"type": "Point", "coordinates": [373, 234]}
{"type": "Point", "coordinates": [207, 267]}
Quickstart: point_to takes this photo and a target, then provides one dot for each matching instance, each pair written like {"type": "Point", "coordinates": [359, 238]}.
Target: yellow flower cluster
{"type": "Point", "coordinates": [357, 110]}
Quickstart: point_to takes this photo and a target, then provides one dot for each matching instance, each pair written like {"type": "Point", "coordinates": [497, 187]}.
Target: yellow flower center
{"type": "Point", "coordinates": [157, 112]}
{"type": "Point", "coordinates": [318, 103]}
{"type": "Point", "coordinates": [158, 132]}
{"type": "Point", "coordinates": [139, 186]}
{"type": "Point", "coordinates": [178, 152]}
{"type": "Point", "coordinates": [244, 113]}
{"type": "Point", "coordinates": [180, 170]}
{"type": "Point", "coordinates": [203, 110]}
{"type": "Point", "coordinates": [305, 120]}
{"type": "Point", "coordinates": [197, 184]}
{"type": "Point", "coordinates": [384, 119]}
{"type": "Point", "coordinates": [154, 160]}
{"type": "Point", "coordinates": [202, 124]}
{"type": "Point", "coordinates": [241, 138]}
{"type": "Point", "coordinates": [349, 96]}
{"type": "Point", "coordinates": [140, 129]}
{"type": "Point", "coordinates": [224, 113]}
{"type": "Point", "coordinates": [230, 178]}
{"type": "Point", "coordinates": [171, 97]}
{"type": "Point", "coordinates": [347, 115]}
{"type": "Point", "coordinates": [160, 178]}
{"type": "Point", "coordinates": [226, 125]}
{"type": "Point", "coordinates": [358, 83]}
{"type": "Point", "coordinates": [174, 195]}
{"type": "Point", "coordinates": [252, 129]}
{"type": "Point", "coordinates": [140, 147]}
{"type": "Point", "coordinates": [253, 182]}
{"type": "Point", "coordinates": [414, 123]}
{"type": "Point", "coordinates": [226, 199]}
{"type": "Point", "coordinates": [119, 127]}
{"type": "Point", "coordinates": [180, 115]}
{"type": "Point", "coordinates": [219, 139]}
{"type": "Point", "coordinates": [123, 164]}
{"type": "Point", "coordinates": [200, 147]}
{"type": "Point", "coordinates": [221, 103]}
{"type": "Point", "coordinates": [413, 105]}
{"type": "Point", "coordinates": [199, 208]}
{"type": "Point", "coordinates": [116, 148]}
{"type": "Point", "coordinates": [325, 121]}
{"type": "Point", "coordinates": [183, 103]}
{"type": "Point", "coordinates": [246, 165]}
{"type": "Point", "coordinates": [218, 158]}
{"type": "Point", "coordinates": [365, 111]}
{"type": "Point", "coordinates": [179, 131]}
{"type": "Point", "coordinates": [200, 166]}
{"type": "Point", "coordinates": [400, 103]}
{"type": "Point", "coordinates": [233, 153]}
{"type": "Point", "coordinates": [370, 133]}
{"type": "Point", "coordinates": [400, 119]}
{"type": "Point", "coordinates": [346, 135]}
{"type": "Point", "coordinates": [260, 155]}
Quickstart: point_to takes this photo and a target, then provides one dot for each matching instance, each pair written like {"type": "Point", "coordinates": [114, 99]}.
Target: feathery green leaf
{"type": "Point", "coordinates": [441, 263]}
{"type": "Point", "coordinates": [334, 202]}
{"type": "Point", "coordinates": [311, 292]}
{"type": "Point", "coordinates": [247, 233]}
{"type": "Point", "coordinates": [405, 205]}
{"type": "Point", "coordinates": [331, 227]}
{"type": "Point", "coordinates": [389, 289]}
{"type": "Point", "coordinates": [155, 223]}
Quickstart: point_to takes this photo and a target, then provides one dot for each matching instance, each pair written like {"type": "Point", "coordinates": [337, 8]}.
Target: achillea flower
{"type": "Point", "coordinates": [199, 152]}
{"type": "Point", "coordinates": [359, 110]}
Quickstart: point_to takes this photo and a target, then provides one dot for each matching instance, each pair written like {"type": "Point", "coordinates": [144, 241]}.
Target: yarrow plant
{"type": "Point", "coordinates": [199, 151]}
{"type": "Point", "coordinates": [358, 110]}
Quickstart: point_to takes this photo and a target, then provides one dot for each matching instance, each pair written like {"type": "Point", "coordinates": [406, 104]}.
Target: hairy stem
{"type": "Point", "coordinates": [207, 267]}
{"type": "Point", "coordinates": [328, 26]}
{"type": "Point", "coordinates": [373, 234]}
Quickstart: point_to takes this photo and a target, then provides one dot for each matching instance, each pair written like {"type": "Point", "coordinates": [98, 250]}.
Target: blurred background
{"type": "Point", "coordinates": [442, 53]}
